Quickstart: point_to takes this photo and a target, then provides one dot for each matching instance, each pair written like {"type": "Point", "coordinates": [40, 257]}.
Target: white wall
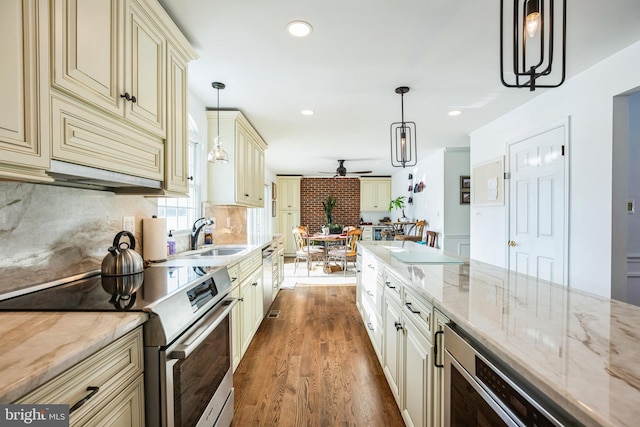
{"type": "Point", "coordinates": [588, 99]}
{"type": "Point", "coordinates": [439, 202]}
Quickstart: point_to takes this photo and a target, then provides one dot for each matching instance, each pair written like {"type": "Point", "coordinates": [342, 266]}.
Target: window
{"type": "Point", "coordinates": [181, 212]}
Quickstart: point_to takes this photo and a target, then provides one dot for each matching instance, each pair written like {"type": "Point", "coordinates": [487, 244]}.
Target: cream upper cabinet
{"type": "Point", "coordinates": [24, 93]}
{"type": "Point", "coordinates": [119, 89]}
{"type": "Point", "coordinates": [375, 194]}
{"type": "Point", "coordinates": [177, 142]}
{"type": "Point", "coordinates": [288, 193]}
{"type": "Point", "coordinates": [241, 180]}
{"type": "Point", "coordinates": [111, 54]}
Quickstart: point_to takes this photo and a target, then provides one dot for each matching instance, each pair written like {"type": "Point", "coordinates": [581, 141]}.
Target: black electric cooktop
{"type": "Point", "coordinates": [97, 293]}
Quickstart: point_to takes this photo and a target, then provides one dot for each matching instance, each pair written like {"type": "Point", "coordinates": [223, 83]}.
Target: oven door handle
{"type": "Point", "coordinates": [184, 349]}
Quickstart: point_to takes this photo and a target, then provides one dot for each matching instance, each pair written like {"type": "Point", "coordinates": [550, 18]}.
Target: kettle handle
{"type": "Point", "coordinates": [132, 239]}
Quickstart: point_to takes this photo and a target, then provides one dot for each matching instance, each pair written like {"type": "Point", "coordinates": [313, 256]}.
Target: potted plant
{"type": "Point", "coordinates": [328, 206]}
{"type": "Point", "coordinates": [398, 203]}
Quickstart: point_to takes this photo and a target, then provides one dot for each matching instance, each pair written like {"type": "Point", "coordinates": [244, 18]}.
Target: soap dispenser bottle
{"type": "Point", "coordinates": [171, 244]}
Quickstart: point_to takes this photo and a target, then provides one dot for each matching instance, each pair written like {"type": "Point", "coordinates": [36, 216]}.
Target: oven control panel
{"type": "Point", "coordinates": [202, 294]}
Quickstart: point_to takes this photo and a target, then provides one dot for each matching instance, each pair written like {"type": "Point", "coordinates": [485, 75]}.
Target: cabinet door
{"type": "Point", "coordinates": [289, 194]}
{"type": "Point", "coordinates": [258, 177]}
{"type": "Point", "coordinates": [24, 93]}
{"type": "Point", "coordinates": [417, 382]}
{"type": "Point", "coordinates": [247, 312]}
{"type": "Point", "coordinates": [145, 77]}
{"type": "Point", "coordinates": [177, 145]}
{"type": "Point", "coordinates": [382, 194]}
{"type": "Point", "coordinates": [242, 163]}
{"type": "Point", "coordinates": [367, 195]}
{"type": "Point", "coordinates": [236, 330]}
{"type": "Point", "coordinates": [258, 309]}
{"type": "Point", "coordinates": [286, 221]}
{"type": "Point", "coordinates": [126, 408]}
{"type": "Point", "coordinates": [438, 369]}
{"type": "Point", "coordinates": [392, 347]}
{"type": "Point", "coordinates": [87, 51]}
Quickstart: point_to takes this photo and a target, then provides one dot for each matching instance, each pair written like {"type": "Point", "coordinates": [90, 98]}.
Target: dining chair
{"type": "Point", "coordinates": [304, 251]}
{"type": "Point", "coordinates": [349, 252]}
{"type": "Point", "coordinates": [414, 234]}
{"type": "Point", "coordinates": [431, 238]}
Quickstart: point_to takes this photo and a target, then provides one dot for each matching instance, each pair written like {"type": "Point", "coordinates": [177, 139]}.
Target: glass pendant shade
{"type": "Point", "coordinates": [218, 155]}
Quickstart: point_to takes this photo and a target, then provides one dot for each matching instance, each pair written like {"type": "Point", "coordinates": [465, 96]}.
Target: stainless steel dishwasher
{"type": "Point", "coordinates": [268, 254]}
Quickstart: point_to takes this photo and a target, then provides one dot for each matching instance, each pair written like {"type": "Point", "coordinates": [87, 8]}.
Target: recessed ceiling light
{"type": "Point", "coordinates": [455, 113]}
{"type": "Point", "coordinates": [299, 28]}
{"type": "Point", "coordinates": [307, 112]}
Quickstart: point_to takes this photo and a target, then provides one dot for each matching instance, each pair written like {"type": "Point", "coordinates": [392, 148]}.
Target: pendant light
{"type": "Point", "coordinates": [403, 138]}
{"type": "Point", "coordinates": [535, 34]}
{"type": "Point", "coordinates": [218, 155]}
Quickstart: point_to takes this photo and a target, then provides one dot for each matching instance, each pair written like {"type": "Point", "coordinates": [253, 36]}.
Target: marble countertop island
{"type": "Point", "coordinates": [37, 346]}
{"type": "Point", "coordinates": [579, 349]}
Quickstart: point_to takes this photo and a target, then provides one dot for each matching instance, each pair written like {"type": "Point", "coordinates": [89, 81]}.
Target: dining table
{"type": "Point", "coordinates": [327, 239]}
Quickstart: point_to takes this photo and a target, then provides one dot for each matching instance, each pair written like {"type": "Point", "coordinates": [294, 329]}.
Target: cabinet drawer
{"type": "Point", "coordinates": [419, 311]}
{"type": "Point", "coordinates": [393, 286]}
{"type": "Point", "coordinates": [234, 274]}
{"type": "Point", "coordinates": [111, 369]}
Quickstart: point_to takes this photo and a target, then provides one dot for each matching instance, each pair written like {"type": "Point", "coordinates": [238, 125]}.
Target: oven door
{"type": "Point", "coordinates": [466, 403]}
{"type": "Point", "coordinates": [198, 374]}
{"type": "Point", "coordinates": [478, 393]}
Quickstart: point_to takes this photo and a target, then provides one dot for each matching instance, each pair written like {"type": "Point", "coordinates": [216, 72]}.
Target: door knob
{"type": "Point", "coordinates": [512, 243]}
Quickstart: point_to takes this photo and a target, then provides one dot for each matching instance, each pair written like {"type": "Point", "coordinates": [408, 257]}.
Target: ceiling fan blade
{"type": "Point", "coordinates": [360, 172]}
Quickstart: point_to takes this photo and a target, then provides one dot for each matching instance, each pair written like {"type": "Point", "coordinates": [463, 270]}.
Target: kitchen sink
{"type": "Point", "coordinates": [221, 251]}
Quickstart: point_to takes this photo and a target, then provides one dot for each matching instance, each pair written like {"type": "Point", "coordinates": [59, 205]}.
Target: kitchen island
{"type": "Point", "coordinates": [577, 348]}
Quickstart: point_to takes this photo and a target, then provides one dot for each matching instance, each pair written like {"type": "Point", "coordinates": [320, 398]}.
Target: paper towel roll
{"type": "Point", "coordinates": [154, 239]}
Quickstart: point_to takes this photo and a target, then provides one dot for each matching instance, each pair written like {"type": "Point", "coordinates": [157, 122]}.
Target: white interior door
{"type": "Point", "coordinates": [537, 205]}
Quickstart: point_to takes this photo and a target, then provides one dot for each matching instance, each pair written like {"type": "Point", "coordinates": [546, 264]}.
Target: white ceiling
{"type": "Point", "coordinates": [446, 51]}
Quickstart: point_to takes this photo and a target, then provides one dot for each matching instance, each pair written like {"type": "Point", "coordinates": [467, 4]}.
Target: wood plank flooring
{"type": "Point", "coordinates": [313, 366]}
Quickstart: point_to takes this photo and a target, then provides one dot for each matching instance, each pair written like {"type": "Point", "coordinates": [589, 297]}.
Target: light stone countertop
{"type": "Point", "coordinates": [580, 349]}
{"type": "Point", "coordinates": [37, 346]}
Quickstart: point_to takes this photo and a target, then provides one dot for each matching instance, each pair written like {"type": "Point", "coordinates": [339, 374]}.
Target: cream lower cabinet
{"type": "Point", "coordinates": [392, 346]}
{"type": "Point", "coordinates": [117, 371]}
{"type": "Point", "coordinates": [250, 305]}
{"type": "Point", "coordinates": [24, 93]}
{"type": "Point", "coordinates": [407, 349]}
{"type": "Point", "coordinates": [439, 320]}
{"type": "Point", "coordinates": [288, 206]}
{"type": "Point", "coordinates": [286, 221]}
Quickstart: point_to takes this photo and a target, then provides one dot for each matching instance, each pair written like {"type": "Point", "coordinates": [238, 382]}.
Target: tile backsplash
{"type": "Point", "coordinates": [48, 232]}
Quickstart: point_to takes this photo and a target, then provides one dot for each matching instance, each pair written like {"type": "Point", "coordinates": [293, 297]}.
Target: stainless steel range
{"type": "Point", "coordinates": [188, 373]}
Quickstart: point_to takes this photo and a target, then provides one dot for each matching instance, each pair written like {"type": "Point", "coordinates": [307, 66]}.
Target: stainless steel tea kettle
{"type": "Point", "coordinates": [122, 259]}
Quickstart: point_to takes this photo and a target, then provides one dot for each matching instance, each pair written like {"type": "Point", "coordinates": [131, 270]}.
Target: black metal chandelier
{"type": "Point", "coordinates": [403, 138]}
{"type": "Point", "coordinates": [537, 31]}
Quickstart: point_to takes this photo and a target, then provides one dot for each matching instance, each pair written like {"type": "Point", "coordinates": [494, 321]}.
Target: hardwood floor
{"type": "Point", "coordinates": [313, 366]}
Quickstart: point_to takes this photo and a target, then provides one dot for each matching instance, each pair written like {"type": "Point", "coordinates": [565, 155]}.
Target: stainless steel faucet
{"type": "Point", "coordinates": [195, 231]}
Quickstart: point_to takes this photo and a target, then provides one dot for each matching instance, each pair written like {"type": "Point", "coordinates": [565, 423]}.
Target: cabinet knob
{"type": "Point", "coordinates": [398, 326]}
{"type": "Point", "coordinates": [128, 97]}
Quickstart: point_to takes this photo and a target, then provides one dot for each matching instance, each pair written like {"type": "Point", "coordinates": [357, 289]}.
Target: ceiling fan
{"type": "Point", "coordinates": [342, 171]}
